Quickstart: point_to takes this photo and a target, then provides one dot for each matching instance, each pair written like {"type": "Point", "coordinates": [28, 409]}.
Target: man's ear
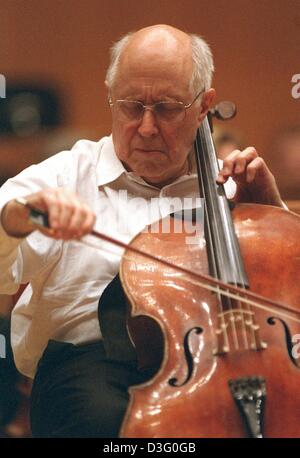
{"type": "Point", "coordinates": [206, 102]}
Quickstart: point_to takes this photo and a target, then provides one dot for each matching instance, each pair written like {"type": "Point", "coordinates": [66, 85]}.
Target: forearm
{"type": "Point", "coordinates": [8, 258]}
{"type": "Point", "coordinates": [14, 226]}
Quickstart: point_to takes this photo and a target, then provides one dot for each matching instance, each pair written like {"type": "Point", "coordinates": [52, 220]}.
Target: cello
{"type": "Point", "coordinates": [229, 366]}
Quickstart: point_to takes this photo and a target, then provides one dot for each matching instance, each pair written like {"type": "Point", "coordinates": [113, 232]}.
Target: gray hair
{"type": "Point", "coordinates": [201, 55]}
{"type": "Point", "coordinates": [203, 64]}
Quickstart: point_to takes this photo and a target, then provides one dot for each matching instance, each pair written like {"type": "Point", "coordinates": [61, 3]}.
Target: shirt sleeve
{"type": "Point", "coordinates": [13, 250]}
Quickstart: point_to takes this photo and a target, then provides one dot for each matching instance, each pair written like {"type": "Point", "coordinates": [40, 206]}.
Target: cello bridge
{"type": "Point", "coordinates": [237, 329]}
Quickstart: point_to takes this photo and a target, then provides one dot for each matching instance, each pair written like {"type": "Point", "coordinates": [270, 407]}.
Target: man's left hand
{"type": "Point", "coordinates": [254, 180]}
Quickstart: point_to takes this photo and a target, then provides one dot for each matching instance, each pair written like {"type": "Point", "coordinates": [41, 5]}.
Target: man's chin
{"type": "Point", "coordinates": [155, 178]}
{"type": "Point", "coordinates": [149, 168]}
{"type": "Point", "coordinates": [150, 173]}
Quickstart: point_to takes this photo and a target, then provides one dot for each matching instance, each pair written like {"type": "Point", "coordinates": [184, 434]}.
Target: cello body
{"type": "Point", "coordinates": [225, 372]}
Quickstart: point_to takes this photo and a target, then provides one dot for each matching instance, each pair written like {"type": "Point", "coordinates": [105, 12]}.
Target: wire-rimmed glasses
{"type": "Point", "coordinates": [165, 111]}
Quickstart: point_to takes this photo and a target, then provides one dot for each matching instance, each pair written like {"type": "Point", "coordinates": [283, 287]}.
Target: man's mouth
{"type": "Point", "coordinates": [149, 150]}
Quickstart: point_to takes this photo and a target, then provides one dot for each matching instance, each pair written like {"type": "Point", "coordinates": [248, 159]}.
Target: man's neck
{"type": "Point", "coordinates": [184, 171]}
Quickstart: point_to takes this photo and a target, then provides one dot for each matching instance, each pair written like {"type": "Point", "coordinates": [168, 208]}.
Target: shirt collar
{"type": "Point", "coordinates": [109, 166]}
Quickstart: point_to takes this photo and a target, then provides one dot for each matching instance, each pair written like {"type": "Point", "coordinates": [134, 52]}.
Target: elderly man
{"type": "Point", "coordinates": [159, 90]}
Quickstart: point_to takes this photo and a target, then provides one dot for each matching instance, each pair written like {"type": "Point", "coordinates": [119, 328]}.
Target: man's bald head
{"type": "Point", "coordinates": [168, 44]}
{"type": "Point", "coordinates": [159, 38]}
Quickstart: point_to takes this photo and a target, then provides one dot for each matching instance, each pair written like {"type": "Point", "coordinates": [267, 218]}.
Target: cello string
{"type": "Point", "coordinates": [220, 298]}
{"type": "Point", "coordinates": [211, 221]}
{"type": "Point", "coordinates": [209, 158]}
{"type": "Point", "coordinates": [236, 320]}
{"type": "Point", "coordinates": [247, 323]}
{"type": "Point", "coordinates": [217, 287]}
{"type": "Point", "coordinates": [242, 307]}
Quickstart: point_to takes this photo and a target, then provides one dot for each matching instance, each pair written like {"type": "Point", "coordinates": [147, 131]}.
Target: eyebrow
{"type": "Point", "coordinates": [134, 94]}
{"type": "Point", "coordinates": [157, 99]}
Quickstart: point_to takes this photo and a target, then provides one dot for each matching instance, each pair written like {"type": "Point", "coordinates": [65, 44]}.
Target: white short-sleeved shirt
{"type": "Point", "coordinates": [66, 279]}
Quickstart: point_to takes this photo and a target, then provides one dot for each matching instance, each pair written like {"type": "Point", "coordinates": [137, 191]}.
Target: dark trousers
{"type": "Point", "coordinates": [82, 391]}
{"type": "Point", "coordinates": [9, 376]}
{"type": "Point", "coordinates": [78, 392]}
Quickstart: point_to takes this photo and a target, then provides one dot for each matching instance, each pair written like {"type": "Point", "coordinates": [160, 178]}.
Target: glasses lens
{"type": "Point", "coordinates": [169, 111]}
{"type": "Point", "coordinates": [130, 109]}
{"type": "Point", "coordinates": [164, 111]}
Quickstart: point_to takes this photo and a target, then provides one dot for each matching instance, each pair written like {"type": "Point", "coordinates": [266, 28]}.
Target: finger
{"type": "Point", "coordinates": [45, 201]}
{"type": "Point", "coordinates": [227, 168]}
{"type": "Point", "coordinates": [255, 168]}
{"type": "Point", "coordinates": [76, 218]}
{"type": "Point", "coordinates": [62, 205]}
{"type": "Point", "coordinates": [50, 232]}
{"type": "Point", "coordinates": [228, 164]}
{"type": "Point", "coordinates": [68, 217]}
{"type": "Point", "coordinates": [82, 222]}
{"type": "Point", "coordinates": [241, 160]}
{"type": "Point", "coordinates": [245, 158]}
{"type": "Point", "coordinates": [236, 163]}
{"type": "Point", "coordinates": [53, 207]}
{"type": "Point", "coordinates": [66, 206]}
{"type": "Point", "coordinates": [81, 219]}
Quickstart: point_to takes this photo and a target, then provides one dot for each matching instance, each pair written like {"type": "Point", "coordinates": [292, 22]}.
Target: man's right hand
{"type": "Point", "coordinates": [69, 218]}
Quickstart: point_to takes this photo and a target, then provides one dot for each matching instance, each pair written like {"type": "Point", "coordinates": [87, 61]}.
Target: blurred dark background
{"type": "Point", "coordinates": [54, 55]}
{"type": "Point", "coordinates": [61, 46]}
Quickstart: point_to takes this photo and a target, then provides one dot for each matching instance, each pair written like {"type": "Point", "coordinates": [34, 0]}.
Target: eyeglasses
{"type": "Point", "coordinates": [168, 112]}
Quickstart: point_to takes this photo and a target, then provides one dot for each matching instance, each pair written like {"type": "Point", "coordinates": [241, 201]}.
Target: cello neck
{"type": "Point", "coordinates": [222, 245]}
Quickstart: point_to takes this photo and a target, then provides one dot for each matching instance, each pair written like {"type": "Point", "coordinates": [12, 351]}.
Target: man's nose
{"type": "Point", "coordinates": [148, 126]}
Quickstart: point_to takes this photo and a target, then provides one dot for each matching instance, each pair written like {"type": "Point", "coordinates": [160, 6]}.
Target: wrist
{"type": "Point", "coordinates": [14, 220]}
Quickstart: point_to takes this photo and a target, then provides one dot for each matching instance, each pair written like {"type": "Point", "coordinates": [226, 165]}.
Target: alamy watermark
{"type": "Point", "coordinates": [2, 346]}
{"type": "Point", "coordinates": [156, 214]}
{"type": "Point", "coordinates": [296, 88]}
{"type": "Point", "coordinates": [2, 87]}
